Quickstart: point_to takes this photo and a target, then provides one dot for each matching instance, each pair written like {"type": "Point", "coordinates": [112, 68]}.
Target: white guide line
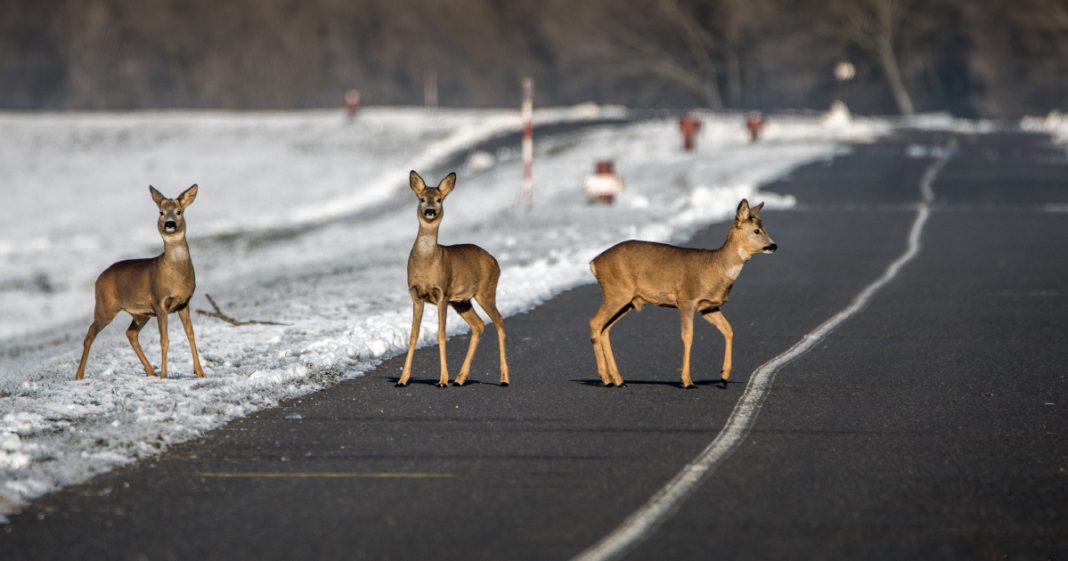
{"type": "Point", "coordinates": [653, 513]}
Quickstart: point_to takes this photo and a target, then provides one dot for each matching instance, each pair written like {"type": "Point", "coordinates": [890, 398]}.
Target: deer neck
{"type": "Point", "coordinates": [733, 256]}
{"type": "Point", "coordinates": [426, 243]}
{"type": "Point", "coordinates": [175, 251]}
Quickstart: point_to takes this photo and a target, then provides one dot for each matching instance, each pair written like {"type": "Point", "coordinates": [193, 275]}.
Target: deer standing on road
{"type": "Point", "coordinates": [446, 275]}
{"type": "Point", "coordinates": [156, 286]}
{"type": "Point", "coordinates": [633, 272]}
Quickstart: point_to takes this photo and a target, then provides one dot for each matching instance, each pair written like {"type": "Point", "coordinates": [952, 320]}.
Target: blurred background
{"type": "Point", "coordinates": [994, 58]}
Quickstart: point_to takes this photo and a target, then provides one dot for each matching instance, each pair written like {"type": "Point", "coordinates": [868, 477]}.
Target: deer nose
{"type": "Point", "coordinates": [430, 213]}
{"type": "Point", "coordinates": [170, 225]}
{"type": "Point", "coordinates": [771, 248]}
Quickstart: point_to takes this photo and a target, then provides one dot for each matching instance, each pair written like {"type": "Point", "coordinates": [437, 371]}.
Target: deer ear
{"type": "Point", "coordinates": [446, 185]}
{"type": "Point", "coordinates": [755, 211]}
{"type": "Point", "coordinates": [416, 183]}
{"type": "Point", "coordinates": [156, 195]}
{"type": "Point", "coordinates": [743, 211]}
{"type": "Point", "coordinates": [188, 196]}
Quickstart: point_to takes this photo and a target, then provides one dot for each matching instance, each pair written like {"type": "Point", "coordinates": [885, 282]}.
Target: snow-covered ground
{"type": "Point", "coordinates": [1055, 123]}
{"type": "Point", "coordinates": [305, 220]}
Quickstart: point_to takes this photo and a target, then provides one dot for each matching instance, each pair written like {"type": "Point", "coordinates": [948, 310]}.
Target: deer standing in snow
{"type": "Point", "coordinates": [445, 275]}
{"type": "Point", "coordinates": [633, 272]}
{"type": "Point", "coordinates": [157, 286]}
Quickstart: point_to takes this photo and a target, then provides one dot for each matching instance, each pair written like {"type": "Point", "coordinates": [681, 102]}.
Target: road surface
{"type": "Point", "coordinates": [931, 422]}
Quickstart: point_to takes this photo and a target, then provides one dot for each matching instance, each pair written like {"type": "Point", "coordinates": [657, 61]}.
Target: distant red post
{"type": "Point", "coordinates": [352, 103]}
{"type": "Point", "coordinates": [689, 127]}
{"type": "Point", "coordinates": [754, 123]}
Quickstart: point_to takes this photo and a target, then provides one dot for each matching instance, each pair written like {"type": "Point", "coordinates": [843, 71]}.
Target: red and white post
{"type": "Point", "coordinates": [528, 142]}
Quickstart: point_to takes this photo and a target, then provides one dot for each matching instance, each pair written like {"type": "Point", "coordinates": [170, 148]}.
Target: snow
{"type": "Point", "coordinates": [304, 220]}
{"type": "Point", "coordinates": [1055, 123]}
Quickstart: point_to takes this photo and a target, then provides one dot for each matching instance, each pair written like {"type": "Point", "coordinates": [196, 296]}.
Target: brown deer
{"type": "Point", "coordinates": [445, 275]}
{"type": "Point", "coordinates": [156, 286]}
{"type": "Point", "coordinates": [633, 272]}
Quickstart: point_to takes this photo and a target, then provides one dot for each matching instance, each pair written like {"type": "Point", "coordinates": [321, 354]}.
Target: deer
{"type": "Point", "coordinates": [634, 272]}
{"type": "Point", "coordinates": [449, 275]}
{"type": "Point", "coordinates": [156, 286]}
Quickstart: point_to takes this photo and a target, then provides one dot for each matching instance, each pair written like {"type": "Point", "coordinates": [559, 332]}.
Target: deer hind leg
{"type": "Point", "coordinates": [478, 326]}
{"type": "Point", "coordinates": [686, 322]}
{"type": "Point", "coordinates": [187, 324]}
{"type": "Point", "coordinates": [487, 298]}
{"type": "Point", "coordinates": [606, 346]}
{"type": "Point", "coordinates": [716, 318]}
{"type": "Point", "coordinates": [443, 311]}
{"type": "Point", "coordinates": [612, 308]}
{"type": "Point", "coordinates": [101, 319]}
{"type": "Point", "coordinates": [132, 332]}
{"type": "Point", "coordinates": [417, 321]}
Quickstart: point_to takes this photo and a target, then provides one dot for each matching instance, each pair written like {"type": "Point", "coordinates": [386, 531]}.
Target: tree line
{"type": "Point", "coordinates": [997, 58]}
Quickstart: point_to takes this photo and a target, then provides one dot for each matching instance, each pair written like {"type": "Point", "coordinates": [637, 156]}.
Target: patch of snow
{"type": "Point", "coordinates": [1055, 123]}
{"type": "Point", "coordinates": [77, 201]}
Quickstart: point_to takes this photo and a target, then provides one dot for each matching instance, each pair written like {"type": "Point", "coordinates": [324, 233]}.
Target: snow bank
{"type": "Point", "coordinates": [78, 202]}
{"type": "Point", "coordinates": [1056, 124]}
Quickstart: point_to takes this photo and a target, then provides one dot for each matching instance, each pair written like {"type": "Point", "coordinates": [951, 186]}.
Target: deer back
{"type": "Point", "coordinates": [661, 274]}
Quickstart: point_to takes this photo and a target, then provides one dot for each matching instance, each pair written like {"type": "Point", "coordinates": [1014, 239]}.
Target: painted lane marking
{"type": "Point", "coordinates": [323, 475]}
{"type": "Point", "coordinates": [644, 521]}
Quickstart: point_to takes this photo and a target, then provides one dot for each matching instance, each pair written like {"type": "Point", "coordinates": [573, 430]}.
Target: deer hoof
{"type": "Point", "coordinates": [690, 386]}
{"type": "Point", "coordinates": [401, 384]}
{"type": "Point", "coordinates": [722, 384]}
{"type": "Point", "coordinates": [504, 384]}
{"type": "Point", "coordinates": [443, 384]}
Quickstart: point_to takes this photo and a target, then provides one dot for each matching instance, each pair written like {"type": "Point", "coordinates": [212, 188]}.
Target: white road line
{"type": "Point", "coordinates": [643, 522]}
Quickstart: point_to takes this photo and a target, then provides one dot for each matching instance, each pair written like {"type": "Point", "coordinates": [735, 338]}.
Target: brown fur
{"type": "Point", "coordinates": [633, 272]}
{"type": "Point", "coordinates": [145, 288]}
{"type": "Point", "coordinates": [446, 275]}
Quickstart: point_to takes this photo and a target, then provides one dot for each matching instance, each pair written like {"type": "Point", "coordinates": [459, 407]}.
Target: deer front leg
{"type": "Point", "coordinates": [417, 321]}
{"type": "Point", "coordinates": [467, 312]}
{"type": "Point", "coordinates": [716, 318]}
{"type": "Point", "coordinates": [443, 310]}
{"type": "Point", "coordinates": [164, 342]}
{"type": "Point", "coordinates": [187, 324]}
{"type": "Point", "coordinates": [132, 332]}
{"type": "Point", "coordinates": [686, 321]}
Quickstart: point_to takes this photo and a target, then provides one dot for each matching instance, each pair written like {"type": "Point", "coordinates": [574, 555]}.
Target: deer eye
{"type": "Point", "coordinates": [161, 213]}
{"type": "Point", "coordinates": [179, 213]}
{"type": "Point", "coordinates": [422, 200]}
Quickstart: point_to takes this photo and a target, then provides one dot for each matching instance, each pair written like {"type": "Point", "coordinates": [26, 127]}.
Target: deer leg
{"type": "Point", "coordinates": [602, 318]}
{"type": "Point", "coordinates": [478, 326]}
{"type": "Point", "coordinates": [164, 342]}
{"type": "Point", "coordinates": [443, 311]}
{"type": "Point", "coordinates": [187, 324]}
{"type": "Point", "coordinates": [716, 318]}
{"type": "Point", "coordinates": [417, 321]}
{"type": "Point", "coordinates": [606, 344]}
{"type": "Point", "coordinates": [488, 300]}
{"type": "Point", "coordinates": [101, 320]}
{"type": "Point", "coordinates": [686, 321]}
{"type": "Point", "coordinates": [132, 332]}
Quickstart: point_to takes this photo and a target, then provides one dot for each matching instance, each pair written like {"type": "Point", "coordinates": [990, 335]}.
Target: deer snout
{"type": "Point", "coordinates": [170, 226]}
{"type": "Point", "coordinates": [771, 248]}
{"type": "Point", "coordinates": [430, 214]}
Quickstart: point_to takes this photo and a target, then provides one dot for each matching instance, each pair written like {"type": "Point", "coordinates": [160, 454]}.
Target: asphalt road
{"type": "Point", "coordinates": [930, 425]}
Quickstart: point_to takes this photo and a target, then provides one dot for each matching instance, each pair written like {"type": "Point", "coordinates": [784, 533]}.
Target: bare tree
{"type": "Point", "coordinates": [873, 25]}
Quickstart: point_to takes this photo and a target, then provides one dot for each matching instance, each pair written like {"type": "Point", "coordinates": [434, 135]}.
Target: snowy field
{"type": "Point", "coordinates": [306, 220]}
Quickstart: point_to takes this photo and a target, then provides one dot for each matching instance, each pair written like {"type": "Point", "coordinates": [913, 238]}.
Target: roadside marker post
{"type": "Point", "coordinates": [528, 142]}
